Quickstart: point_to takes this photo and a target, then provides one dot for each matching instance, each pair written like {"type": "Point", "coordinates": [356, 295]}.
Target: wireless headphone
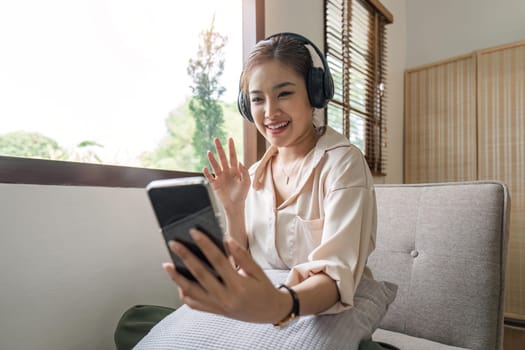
{"type": "Point", "coordinates": [319, 82]}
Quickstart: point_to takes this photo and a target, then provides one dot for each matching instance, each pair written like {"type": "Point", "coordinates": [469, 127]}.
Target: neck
{"type": "Point", "coordinates": [299, 149]}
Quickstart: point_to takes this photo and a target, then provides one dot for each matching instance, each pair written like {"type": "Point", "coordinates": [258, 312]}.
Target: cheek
{"type": "Point", "coordinates": [259, 125]}
{"type": "Point", "coordinates": [257, 112]}
{"type": "Point", "coordinates": [258, 118]}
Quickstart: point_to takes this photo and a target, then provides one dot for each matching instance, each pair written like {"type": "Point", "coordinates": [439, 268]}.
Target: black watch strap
{"type": "Point", "coordinates": [295, 306]}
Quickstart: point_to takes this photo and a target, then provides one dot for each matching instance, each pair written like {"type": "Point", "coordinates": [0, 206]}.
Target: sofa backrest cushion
{"type": "Point", "coordinates": [444, 245]}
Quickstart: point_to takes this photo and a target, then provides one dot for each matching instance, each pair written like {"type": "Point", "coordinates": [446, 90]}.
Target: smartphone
{"type": "Point", "coordinates": [180, 205]}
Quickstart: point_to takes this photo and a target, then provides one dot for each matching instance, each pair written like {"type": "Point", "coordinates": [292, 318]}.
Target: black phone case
{"type": "Point", "coordinates": [179, 230]}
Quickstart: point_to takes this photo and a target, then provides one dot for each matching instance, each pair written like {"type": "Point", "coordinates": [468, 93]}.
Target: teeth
{"type": "Point", "coordinates": [277, 126]}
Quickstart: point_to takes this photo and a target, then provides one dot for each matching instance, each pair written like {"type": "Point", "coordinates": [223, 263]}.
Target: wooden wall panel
{"type": "Point", "coordinates": [440, 122]}
{"type": "Point", "coordinates": [501, 149]}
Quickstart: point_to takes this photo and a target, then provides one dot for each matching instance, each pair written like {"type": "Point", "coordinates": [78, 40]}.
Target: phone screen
{"type": "Point", "coordinates": [180, 207]}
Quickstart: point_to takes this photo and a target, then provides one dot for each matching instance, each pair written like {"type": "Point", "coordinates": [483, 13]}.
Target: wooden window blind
{"type": "Point", "coordinates": [355, 46]}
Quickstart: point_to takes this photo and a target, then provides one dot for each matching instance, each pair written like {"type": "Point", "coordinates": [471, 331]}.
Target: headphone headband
{"type": "Point", "coordinates": [319, 82]}
{"type": "Point", "coordinates": [305, 41]}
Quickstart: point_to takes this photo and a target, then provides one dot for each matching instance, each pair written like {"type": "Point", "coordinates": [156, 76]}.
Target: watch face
{"type": "Point", "coordinates": [289, 319]}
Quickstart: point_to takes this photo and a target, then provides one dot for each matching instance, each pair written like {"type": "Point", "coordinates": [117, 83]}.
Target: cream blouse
{"type": "Point", "coordinates": [327, 225]}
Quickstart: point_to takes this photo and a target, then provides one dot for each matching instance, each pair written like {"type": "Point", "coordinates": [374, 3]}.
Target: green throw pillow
{"type": "Point", "coordinates": [136, 322]}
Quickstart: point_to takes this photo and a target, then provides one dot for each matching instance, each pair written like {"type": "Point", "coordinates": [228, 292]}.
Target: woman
{"type": "Point", "coordinates": [308, 206]}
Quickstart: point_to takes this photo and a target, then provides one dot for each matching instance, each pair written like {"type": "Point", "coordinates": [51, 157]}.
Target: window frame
{"type": "Point", "coordinates": [19, 170]}
{"type": "Point", "coordinates": [342, 53]}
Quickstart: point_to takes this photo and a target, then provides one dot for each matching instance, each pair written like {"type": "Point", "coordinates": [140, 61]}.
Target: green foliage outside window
{"type": "Point", "coordinates": [36, 145]}
{"type": "Point", "coordinates": [176, 150]}
{"type": "Point", "coordinates": [28, 144]}
{"type": "Point", "coordinates": [206, 70]}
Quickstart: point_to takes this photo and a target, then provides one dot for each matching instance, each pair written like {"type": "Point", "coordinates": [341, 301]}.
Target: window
{"type": "Point", "coordinates": [107, 82]}
{"type": "Point", "coordinates": [53, 172]}
{"type": "Point", "coordinates": [356, 54]}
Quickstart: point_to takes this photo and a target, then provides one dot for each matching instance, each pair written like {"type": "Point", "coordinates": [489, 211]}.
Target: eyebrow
{"type": "Point", "coordinates": [276, 87]}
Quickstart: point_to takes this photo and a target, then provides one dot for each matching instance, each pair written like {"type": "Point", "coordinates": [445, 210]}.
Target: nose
{"type": "Point", "coordinates": [271, 108]}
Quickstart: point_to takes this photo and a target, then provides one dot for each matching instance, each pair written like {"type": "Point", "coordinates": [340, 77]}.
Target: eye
{"type": "Point", "coordinates": [285, 93]}
{"type": "Point", "coordinates": [255, 99]}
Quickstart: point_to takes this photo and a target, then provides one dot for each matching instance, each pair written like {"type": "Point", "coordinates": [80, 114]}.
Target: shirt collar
{"type": "Point", "coordinates": [329, 140]}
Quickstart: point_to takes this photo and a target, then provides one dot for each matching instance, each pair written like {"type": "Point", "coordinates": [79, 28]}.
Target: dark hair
{"type": "Point", "coordinates": [283, 48]}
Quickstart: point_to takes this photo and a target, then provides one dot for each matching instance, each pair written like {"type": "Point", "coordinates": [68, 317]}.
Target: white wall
{"type": "Point", "coordinates": [301, 16]}
{"type": "Point", "coordinates": [306, 17]}
{"type": "Point", "coordinates": [72, 260]}
{"type": "Point", "coordinates": [441, 29]}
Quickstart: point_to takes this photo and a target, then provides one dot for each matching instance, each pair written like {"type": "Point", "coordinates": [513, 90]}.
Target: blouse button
{"type": "Point", "coordinates": [414, 253]}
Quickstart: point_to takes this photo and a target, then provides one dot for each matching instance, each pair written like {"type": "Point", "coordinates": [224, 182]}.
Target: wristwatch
{"type": "Point", "coordinates": [294, 313]}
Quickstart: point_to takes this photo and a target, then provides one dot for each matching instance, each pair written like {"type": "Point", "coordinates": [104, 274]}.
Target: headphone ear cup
{"type": "Point", "coordinates": [328, 87]}
{"type": "Point", "coordinates": [315, 82]}
{"type": "Point", "coordinates": [244, 107]}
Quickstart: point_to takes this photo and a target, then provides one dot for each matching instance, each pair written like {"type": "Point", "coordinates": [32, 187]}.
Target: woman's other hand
{"type": "Point", "coordinates": [230, 179]}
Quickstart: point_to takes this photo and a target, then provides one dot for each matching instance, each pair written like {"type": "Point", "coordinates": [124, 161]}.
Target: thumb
{"type": "Point", "coordinates": [244, 260]}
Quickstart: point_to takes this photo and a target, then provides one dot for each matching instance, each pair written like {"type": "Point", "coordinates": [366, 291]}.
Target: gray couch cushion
{"type": "Point", "coordinates": [444, 246]}
{"type": "Point", "coordinates": [406, 342]}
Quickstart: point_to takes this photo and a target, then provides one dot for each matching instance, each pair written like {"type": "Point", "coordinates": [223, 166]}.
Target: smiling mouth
{"type": "Point", "coordinates": [278, 126]}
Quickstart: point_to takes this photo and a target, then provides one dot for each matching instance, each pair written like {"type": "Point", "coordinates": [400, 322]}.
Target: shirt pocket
{"type": "Point", "coordinates": [309, 232]}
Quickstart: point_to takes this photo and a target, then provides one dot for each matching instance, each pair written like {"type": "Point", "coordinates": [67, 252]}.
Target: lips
{"type": "Point", "coordinates": [277, 126]}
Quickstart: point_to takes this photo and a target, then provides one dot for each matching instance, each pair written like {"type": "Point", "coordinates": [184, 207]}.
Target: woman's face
{"type": "Point", "coordinates": [279, 104]}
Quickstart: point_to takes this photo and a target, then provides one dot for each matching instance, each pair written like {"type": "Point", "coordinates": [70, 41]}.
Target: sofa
{"type": "Point", "coordinates": [444, 245]}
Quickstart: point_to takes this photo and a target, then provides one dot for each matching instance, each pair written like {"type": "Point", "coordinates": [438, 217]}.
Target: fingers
{"type": "Point", "coordinates": [169, 268]}
{"type": "Point", "coordinates": [233, 153]}
{"type": "Point", "coordinates": [215, 256]}
{"type": "Point", "coordinates": [243, 171]}
{"type": "Point", "coordinates": [221, 154]}
{"type": "Point", "coordinates": [244, 260]}
{"type": "Point", "coordinates": [223, 164]}
{"type": "Point", "coordinates": [185, 285]}
{"type": "Point", "coordinates": [189, 293]}
{"type": "Point", "coordinates": [208, 174]}
{"type": "Point", "coordinates": [196, 267]}
{"type": "Point", "coordinates": [214, 164]}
